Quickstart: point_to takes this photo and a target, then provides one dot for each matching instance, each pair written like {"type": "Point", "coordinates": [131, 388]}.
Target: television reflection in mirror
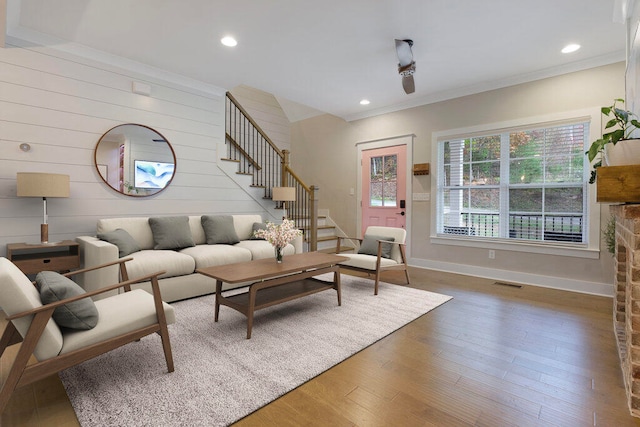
{"type": "Point", "coordinates": [150, 174]}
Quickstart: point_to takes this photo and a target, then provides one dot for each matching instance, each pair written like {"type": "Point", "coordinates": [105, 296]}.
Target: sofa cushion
{"type": "Point", "coordinates": [197, 232]}
{"type": "Point", "coordinates": [212, 255]}
{"type": "Point", "coordinates": [219, 229]}
{"type": "Point", "coordinates": [122, 239]}
{"type": "Point", "coordinates": [257, 226]}
{"type": "Point", "coordinates": [137, 227]}
{"type": "Point", "coordinates": [150, 261]}
{"type": "Point", "coordinates": [244, 225]}
{"type": "Point", "coordinates": [54, 287]}
{"type": "Point", "coordinates": [123, 313]}
{"type": "Point", "coordinates": [171, 232]}
{"type": "Point", "coordinates": [261, 249]}
{"type": "Point", "coordinates": [369, 246]}
{"type": "Point", "coordinates": [367, 262]}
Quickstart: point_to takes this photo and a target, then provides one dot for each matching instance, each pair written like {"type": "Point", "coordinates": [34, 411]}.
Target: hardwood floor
{"type": "Point", "coordinates": [495, 355]}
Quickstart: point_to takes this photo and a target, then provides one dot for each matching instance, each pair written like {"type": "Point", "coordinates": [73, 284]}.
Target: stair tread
{"type": "Point", "coordinates": [230, 160]}
{"type": "Point", "coordinates": [327, 238]}
{"type": "Point", "coordinates": [320, 227]}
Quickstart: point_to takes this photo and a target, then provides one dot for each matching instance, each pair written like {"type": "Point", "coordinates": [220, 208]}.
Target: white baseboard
{"type": "Point", "coordinates": [592, 288]}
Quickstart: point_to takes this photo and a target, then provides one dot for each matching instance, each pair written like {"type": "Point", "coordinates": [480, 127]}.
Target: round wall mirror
{"type": "Point", "coordinates": [135, 160]}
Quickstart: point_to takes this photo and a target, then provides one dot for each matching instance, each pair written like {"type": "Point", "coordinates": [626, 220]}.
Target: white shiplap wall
{"type": "Point", "coordinates": [61, 105]}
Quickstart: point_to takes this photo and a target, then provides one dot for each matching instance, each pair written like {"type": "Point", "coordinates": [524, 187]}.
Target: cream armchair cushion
{"type": "Point", "coordinates": [18, 295]}
{"type": "Point", "coordinates": [378, 263]}
{"type": "Point", "coordinates": [119, 314]}
{"type": "Point", "coordinates": [123, 318]}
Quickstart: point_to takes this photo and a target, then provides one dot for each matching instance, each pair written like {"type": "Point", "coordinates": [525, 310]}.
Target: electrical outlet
{"type": "Point", "coordinates": [492, 254]}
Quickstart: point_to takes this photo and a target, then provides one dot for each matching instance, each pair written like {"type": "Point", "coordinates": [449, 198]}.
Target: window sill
{"type": "Point", "coordinates": [519, 246]}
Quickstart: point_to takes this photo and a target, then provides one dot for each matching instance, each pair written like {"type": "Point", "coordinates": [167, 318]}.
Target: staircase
{"type": "Point", "coordinates": [326, 237]}
{"type": "Point", "coordinates": [257, 156]}
{"type": "Point", "coordinates": [328, 233]}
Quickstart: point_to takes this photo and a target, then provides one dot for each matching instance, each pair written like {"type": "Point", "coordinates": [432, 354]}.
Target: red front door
{"type": "Point", "coordinates": [384, 187]}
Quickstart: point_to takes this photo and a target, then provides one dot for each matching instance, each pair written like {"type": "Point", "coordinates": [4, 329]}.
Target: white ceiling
{"type": "Point", "coordinates": [329, 54]}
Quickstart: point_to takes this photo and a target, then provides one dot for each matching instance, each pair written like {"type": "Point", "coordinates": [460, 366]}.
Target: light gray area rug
{"type": "Point", "coordinates": [220, 376]}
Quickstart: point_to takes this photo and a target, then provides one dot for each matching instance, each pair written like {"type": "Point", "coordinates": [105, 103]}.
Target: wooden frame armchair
{"type": "Point", "coordinates": [123, 318]}
{"type": "Point", "coordinates": [382, 248]}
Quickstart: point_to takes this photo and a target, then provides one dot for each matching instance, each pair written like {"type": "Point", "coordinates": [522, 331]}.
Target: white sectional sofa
{"type": "Point", "coordinates": [181, 280]}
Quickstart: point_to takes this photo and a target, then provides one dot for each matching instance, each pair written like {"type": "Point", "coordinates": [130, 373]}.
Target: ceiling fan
{"type": "Point", "coordinates": [406, 64]}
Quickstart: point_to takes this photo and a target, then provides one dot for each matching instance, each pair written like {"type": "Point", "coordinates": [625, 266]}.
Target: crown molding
{"type": "Point", "coordinates": [25, 38]}
{"type": "Point", "coordinates": [492, 85]}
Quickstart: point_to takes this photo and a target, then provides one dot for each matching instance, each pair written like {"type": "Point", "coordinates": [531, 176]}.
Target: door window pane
{"type": "Point", "coordinates": [383, 181]}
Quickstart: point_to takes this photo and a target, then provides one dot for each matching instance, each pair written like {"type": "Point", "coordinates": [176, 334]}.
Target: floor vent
{"type": "Point", "coordinates": [511, 285]}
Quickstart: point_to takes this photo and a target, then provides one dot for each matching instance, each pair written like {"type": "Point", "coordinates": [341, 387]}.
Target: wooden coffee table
{"type": "Point", "coordinates": [274, 283]}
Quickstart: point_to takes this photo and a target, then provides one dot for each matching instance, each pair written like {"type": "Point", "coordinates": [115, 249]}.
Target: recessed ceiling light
{"type": "Point", "coordinates": [228, 41]}
{"type": "Point", "coordinates": [570, 48]}
{"type": "Point", "coordinates": [364, 102]}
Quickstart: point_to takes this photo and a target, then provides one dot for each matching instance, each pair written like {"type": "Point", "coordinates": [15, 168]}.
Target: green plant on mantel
{"type": "Point", "coordinates": [624, 123]}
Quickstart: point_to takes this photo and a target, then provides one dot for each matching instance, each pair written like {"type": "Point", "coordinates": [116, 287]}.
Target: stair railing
{"type": "Point", "coordinates": [259, 157]}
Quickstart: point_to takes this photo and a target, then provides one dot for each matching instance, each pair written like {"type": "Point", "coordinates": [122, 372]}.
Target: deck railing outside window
{"type": "Point", "coordinates": [560, 227]}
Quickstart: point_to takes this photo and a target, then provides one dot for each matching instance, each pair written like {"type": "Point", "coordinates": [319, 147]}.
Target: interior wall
{"type": "Point", "coordinates": [61, 105]}
{"type": "Point", "coordinates": [325, 153]}
{"type": "Point", "coordinates": [265, 109]}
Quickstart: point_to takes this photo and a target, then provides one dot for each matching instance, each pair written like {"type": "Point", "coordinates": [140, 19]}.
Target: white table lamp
{"type": "Point", "coordinates": [283, 194]}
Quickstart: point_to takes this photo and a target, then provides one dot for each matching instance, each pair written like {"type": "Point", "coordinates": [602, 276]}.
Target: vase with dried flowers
{"type": "Point", "coordinates": [279, 235]}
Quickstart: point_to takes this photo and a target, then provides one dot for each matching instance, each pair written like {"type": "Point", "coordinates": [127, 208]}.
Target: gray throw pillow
{"type": "Point", "coordinates": [54, 287]}
{"type": "Point", "coordinates": [369, 245]}
{"type": "Point", "coordinates": [219, 229]}
{"type": "Point", "coordinates": [257, 226]}
{"type": "Point", "coordinates": [122, 239]}
{"type": "Point", "coordinates": [171, 232]}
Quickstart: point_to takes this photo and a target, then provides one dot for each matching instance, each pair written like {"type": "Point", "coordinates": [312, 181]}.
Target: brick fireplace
{"type": "Point", "coordinates": [626, 305]}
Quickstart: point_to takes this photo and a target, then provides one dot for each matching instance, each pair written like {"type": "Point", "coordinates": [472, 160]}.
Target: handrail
{"type": "Point", "coordinates": [244, 153]}
{"type": "Point", "coordinates": [295, 177]}
{"type": "Point", "coordinates": [253, 123]}
{"type": "Point", "coordinates": [269, 166]}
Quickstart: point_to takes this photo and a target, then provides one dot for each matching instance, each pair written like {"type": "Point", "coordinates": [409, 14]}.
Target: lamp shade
{"type": "Point", "coordinates": [283, 194]}
{"type": "Point", "coordinates": [35, 184]}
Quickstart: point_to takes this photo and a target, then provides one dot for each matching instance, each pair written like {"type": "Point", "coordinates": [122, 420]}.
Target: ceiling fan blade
{"type": "Point", "coordinates": [403, 49]}
{"type": "Point", "coordinates": [408, 84]}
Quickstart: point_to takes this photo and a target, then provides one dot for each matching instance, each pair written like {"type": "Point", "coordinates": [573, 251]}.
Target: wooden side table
{"type": "Point", "coordinates": [34, 258]}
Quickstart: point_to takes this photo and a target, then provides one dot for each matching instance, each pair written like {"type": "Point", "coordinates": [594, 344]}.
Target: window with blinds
{"type": "Point", "coordinates": [524, 184]}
